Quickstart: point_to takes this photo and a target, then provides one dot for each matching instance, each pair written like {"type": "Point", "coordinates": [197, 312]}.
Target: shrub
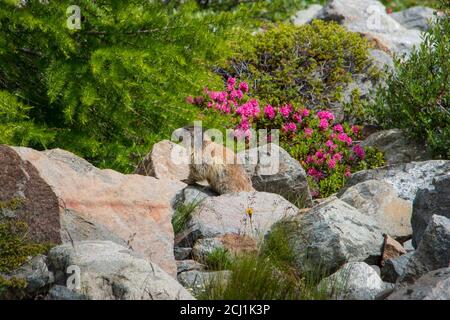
{"type": "Point", "coordinates": [417, 94]}
{"type": "Point", "coordinates": [327, 150]}
{"type": "Point", "coordinates": [306, 65]}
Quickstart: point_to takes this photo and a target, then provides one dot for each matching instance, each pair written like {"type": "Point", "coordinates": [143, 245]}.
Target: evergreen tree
{"type": "Point", "coordinates": [109, 90]}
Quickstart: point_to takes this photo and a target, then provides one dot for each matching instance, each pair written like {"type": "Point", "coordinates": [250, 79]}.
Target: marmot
{"type": "Point", "coordinates": [216, 164]}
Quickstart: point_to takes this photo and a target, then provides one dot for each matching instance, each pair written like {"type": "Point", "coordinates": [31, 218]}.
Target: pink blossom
{"type": "Point", "coordinates": [355, 129]}
{"type": "Point", "coordinates": [309, 159]}
{"type": "Point", "coordinates": [286, 110]}
{"type": "Point", "coordinates": [190, 99]}
{"type": "Point", "coordinates": [270, 112]}
{"type": "Point", "coordinates": [315, 173]}
{"type": "Point", "coordinates": [337, 156]}
{"type": "Point", "coordinates": [243, 86]}
{"type": "Point", "coordinates": [248, 109]}
{"type": "Point", "coordinates": [308, 132]}
{"type": "Point", "coordinates": [349, 141]}
{"type": "Point", "coordinates": [359, 151]}
{"type": "Point", "coordinates": [231, 82]}
{"type": "Point", "coordinates": [323, 124]}
{"type": "Point", "coordinates": [325, 115]}
{"type": "Point", "coordinates": [331, 163]}
{"type": "Point", "coordinates": [236, 94]}
{"type": "Point", "coordinates": [290, 126]}
{"type": "Point", "coordinates": [319, 154]}
{"type": "Point", "coordinates": [297, 117]}
{"type": "Point", "coordinates": [348, 173]}
{"type": "Point", "coordinates": [305, 113]}
{"type": "Point", "coordinates": [342, 137]}
{"type": "Point", "coordinates": [329, 143]}
{"type": "Point", "coordinates": [338, 128]}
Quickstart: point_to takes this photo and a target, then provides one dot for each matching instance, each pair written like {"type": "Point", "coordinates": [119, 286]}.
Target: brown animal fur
{"type": "Point", "coordinates": [218, 166]}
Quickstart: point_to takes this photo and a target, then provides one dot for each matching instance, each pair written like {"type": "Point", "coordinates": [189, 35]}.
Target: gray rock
{"type": "Point", "coordinates": [408, 246]}
{"type": "Point", "coordinates": [434, 285]}
{"type": "Point", "coordinates": [272, 169]}
{"type": "Point", "coordinates": [433, 252]}
{"type": "Point", "coordinates": [182, 253]}
{"type": "Point", "coordinates": [397, 148]}
{"type": "Point", "coordinates": [407, 178]}
{"type": "Point", "coordinates": [227, 214]}
{"type": "Point", "coordinates": [418, 17]}
{"type": "Point", "coordinates": [430, 201]}
{"type": "Point", "coordinates": [305, 16]}
{"type": "Point", "coordinates": [379, 200]}
{"type": "Point", "coordinates": [194, 195]}
{"type": "Point", "coordinates": [381, 60]}
{"type": "Point", "coordinates": [331, 235]}
{"type": "Point", "coordinates": [189, 265]}
{"type": "Point", "coordinates": [204, 247]}
{"type": "Point", "coordinates": [36, 274]}
{"type": "Point", "coordinates": [78, 228]}
{"type": "Point", "coordinates": [109, 271]}
{"type": "Point", "coordinates": [58, 292]}
{"type": "Point", "coordinates": [354, 281]}
{"type": "Point", "coordinates": [166, 160]}
{"type": "Point", "coordinates": [369, 18]}
{"type": "Point", "coordinates": [376, 269]}
{"type": "Point", "coordinates": [393, 269]}
{"type": "Point", "coordinates": [197, 281]}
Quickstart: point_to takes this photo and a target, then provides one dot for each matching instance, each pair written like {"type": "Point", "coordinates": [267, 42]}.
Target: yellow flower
{"type": "Point", "coordinates": [249, 212]}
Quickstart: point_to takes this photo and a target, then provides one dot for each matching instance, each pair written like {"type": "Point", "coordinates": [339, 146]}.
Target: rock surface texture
{"type": "Point", "coordinates": [379, 200]}
{"type": "Point", "coordinates": [355, 281]}
{"type": "Point", "coordinates": [109, 271]}
{"type": "Point", "coordinates": [333, 234]}
{"type": "Point", "coordinates": [434, 285]}
{"type": "Point", "coordinates": [272, 169]}
{"type": "Point", "coordinates": [433, 251]}
{"type": "Point", "coordinates": [430, 201]}
{"type": "Point", "coordinates": [71, 200]}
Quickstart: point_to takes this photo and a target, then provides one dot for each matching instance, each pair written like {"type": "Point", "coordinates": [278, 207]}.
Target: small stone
{"type": "Point", "coordinates": [392, 249]}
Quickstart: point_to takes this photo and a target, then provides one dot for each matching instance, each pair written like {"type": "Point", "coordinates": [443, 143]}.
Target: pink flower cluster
{"type": "Point", "coordinates": [330, 146]}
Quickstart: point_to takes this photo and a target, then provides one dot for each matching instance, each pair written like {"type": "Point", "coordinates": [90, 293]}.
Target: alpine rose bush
{"type": "Point", "coordinates": [328, 151]}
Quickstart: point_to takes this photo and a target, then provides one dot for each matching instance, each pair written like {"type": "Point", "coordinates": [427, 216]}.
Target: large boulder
{"type": "Point", "coordinates": [433, 251]}
{"type": "Point", "coordinates": [379, 200]}
{"type": "Point", "coordinates": [167, 160]}
{"type": "Point", "coordinates": [397, 148]}
{"type": "Point", "coordinates": [406, 178]}
{"type": "Point", "coordinates": [63, 198]}
{"type": "Point", "coordinates": [369, 18]}
{"type": "Point", "coordinates": [418, 17]}
{"type": "Point", "coordinates": [430, 201]}
{"type": "Point", "coordinates": [332, 234]}
{"type": "Point", "coordinates": [108, 271]}
{"type": "Point", "coordinates": [434, 285]}
{"type": "Point", "coordinates": [354, 281]}
{"type": "Point", "coordinates": [229, 214]}
{"type": "Point", "coordinates": [272, 169]}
